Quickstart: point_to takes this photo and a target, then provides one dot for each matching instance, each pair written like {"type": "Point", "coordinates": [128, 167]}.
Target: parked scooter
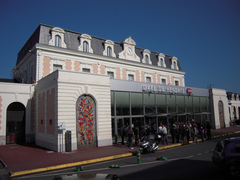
{"type": "Point", "coordinates": [147, 147]}
{"type": "Point", "coordinates": [158, 138]}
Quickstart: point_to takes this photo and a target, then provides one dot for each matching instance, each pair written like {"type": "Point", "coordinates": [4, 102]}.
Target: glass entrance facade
{"type": "Point", "coordinates": [141, 108]}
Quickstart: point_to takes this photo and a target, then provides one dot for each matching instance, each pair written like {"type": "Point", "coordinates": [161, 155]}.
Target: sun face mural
{"type": "Point", "coordinates": [86, 136]}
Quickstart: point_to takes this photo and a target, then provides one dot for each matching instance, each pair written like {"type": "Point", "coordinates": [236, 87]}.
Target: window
{"type": "Point", "coordinates": [57, 37]}
{"type": "Point", "coordinates": [85, 46]}
{"type": "Point", "coordinates": [58, 41]}
{"type": "Point", "coordinates": [131, 77]}
{"type": "Point", "coordinates": [148, 79]}
{"type": "Point", "coordinates": [146, 59]}
{"type": "Point", "coordinates": [161, 61]}
{"type": "Point", "coordinates": [176, 83]}
{"type": "Point", "coordinates": [146, 56]}
{"type": "Point", "coordinates": [109, 51]}
{"type": "Point", "coordinates": [85, 43]}
{"type": "Point", "coordinates": [109, 48]}
{"type": "Point", "coordinates": [174, 65]}
{"type": "Point", "coordinates": [163, 81]}
{"type": "Point", "coordinates": [86, 70]}
{"type": "Point", "coordinates": [56, 67]}
{"type": "Point", "coordinates": [111, 74]}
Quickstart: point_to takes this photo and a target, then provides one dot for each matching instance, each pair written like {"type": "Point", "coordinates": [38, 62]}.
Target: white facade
{"type": "Point", "coordinates": [58, 70]}
{"type": "Point", "coordinates": [219, 108]}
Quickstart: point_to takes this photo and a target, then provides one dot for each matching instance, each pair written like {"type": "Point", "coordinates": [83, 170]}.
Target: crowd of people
{"type": "Point", "coordinates": [180, 132]}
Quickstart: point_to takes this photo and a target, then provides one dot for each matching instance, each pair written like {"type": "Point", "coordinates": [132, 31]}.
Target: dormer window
{"type": "Point", "coordinates": [85, 43]}
{"type": "Point", "coordinates": [57, 37]}
{"type": "Point", "coordinates": [174, 63]}
{"type": "Point", "coordinates": [161, 61]}
{"type": "Point", "coordinates": [109, 51]}
{"type": "Point", "coordinates": [109, 48]}
{"type": "Point", "coordinates": [58, 41]}
{"type": "Point", "coordinates": [85, 46]}
{"type": "Point", "coordinates": [146, 57]}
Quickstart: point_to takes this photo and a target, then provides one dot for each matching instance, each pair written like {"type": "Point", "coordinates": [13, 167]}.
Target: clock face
{"type": "Point", "coordinates": [129, 50]}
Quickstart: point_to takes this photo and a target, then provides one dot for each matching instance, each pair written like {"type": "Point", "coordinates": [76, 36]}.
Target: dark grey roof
{"type": "Point", "coordinates": [42, 35]}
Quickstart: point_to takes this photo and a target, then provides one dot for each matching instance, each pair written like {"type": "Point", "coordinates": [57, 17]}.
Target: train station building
{"type": "Point", "coordinates": [69, 85]}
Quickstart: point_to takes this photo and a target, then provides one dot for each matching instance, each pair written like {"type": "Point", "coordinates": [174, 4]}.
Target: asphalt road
{"type": "Point", "coordinates": [185, 162]}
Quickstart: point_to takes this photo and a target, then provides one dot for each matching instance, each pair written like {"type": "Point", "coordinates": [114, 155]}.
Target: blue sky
{"type": "Point", "coordinates": [203, 34]}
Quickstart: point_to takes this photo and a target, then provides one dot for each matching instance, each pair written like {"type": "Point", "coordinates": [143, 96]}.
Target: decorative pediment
{"type": "Point", "coordinates": [86, 36]}
{"type": "Point", "coordinates": [109, 42]}
{"type": "Point", "coordinates": [57, 29]}
{"type": "Point", "coordinates": [129, 41]}
{"type": "Point", "coordinates": [129, 50]}
{"type": "Point", "coordinates": [175, 58]}
{"type": "Point", "coordinates": [161, 55]}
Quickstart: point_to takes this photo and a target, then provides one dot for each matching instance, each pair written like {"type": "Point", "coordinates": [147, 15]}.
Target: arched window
{"type": "Point", "coordinates": [161, 62]}
{"type": "Point", "coordinates": [109, 51]}
{"type": "Point", "coordinates": [146, 59]}
{"type": "Point", "coordinates": [174, 65]}
{"type": "Point", "coordinates": [58, 41]}
{"type": "Point", "coordinates": [85, 46]}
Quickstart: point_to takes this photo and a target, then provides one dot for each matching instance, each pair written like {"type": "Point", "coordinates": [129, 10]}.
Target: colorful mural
{"type": "Point", "coordinates": [221, 114]}
{"type": "Point", "coordinates": [86, 136]}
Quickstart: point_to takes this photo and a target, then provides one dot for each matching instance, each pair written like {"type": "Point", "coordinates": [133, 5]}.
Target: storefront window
{"type": "Point", "coordinates": [161, 104]}
{"type": "Point", "coordinates": [180, 104]}
{"type": "Point", "coordinates": [171, 103]}
{"type": "Point", "coordinates": [188, 100]}
{"type": "Point", "coordinates": [122, 103]}
{"type": "Point", "coordinates": [149, 104]}
{"type": "Point", "coordinates": [196, 103]}
{"type": "Point", "coordinates": [204, 104]}
{"type": "Point", "coordinates": [136, 103]}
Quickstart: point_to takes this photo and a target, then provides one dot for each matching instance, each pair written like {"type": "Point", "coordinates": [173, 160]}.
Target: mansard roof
{"type": "Point", "coordinates": [42, 35]}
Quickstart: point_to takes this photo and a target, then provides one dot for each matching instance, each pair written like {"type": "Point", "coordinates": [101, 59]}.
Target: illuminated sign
{"type": "Point", "coordinates": [162, 89]}
{"type": "Point", "coordinates": [189, 90]}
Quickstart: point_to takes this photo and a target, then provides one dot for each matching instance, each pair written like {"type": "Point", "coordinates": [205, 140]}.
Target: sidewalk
{"type": "Point", "coordinates": [22, 160]}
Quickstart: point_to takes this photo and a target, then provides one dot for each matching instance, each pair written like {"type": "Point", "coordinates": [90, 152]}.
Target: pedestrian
{"type": "Point", "coordinates": [148, 131]}
{"type": "Point", "coordinates": [202, 130]}
{"type": "Point", "coordinates": [209, 133]}
{"type": "Point", "coordinates": [136, 136]}
{"type": "Point", "coordinates": [130, 134]}
{"type": "Point", "coordinates": [122, 133]}
{"type": "Point", "coordinates": [195, 134]}
{"type": "Point", "coordinates": [165, 135]}
{"type": "Point", "coordinates": [173, 133]}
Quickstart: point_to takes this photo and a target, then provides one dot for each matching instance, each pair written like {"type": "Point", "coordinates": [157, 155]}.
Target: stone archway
{"type": "Point", "coordinates": [86, 122]}
{"type": "Point", "coordinates": [15, 131]}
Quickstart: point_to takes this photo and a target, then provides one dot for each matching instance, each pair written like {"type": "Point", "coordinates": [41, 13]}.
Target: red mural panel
{"type": "Point", "coordinates": [86, 135]}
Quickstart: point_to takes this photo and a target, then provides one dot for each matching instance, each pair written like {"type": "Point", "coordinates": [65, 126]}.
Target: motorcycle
{"type": "Point", "coordinates": [158, 138]}
{"type": "Point", "coordinates": [147, 147]}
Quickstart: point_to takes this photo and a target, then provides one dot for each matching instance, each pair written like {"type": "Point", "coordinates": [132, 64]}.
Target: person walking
{"type": "Point", "coordinates": [122, 133]}
{"type": "Point", "coordinates": [148, 131]}
{"type": "Point", "coordinates": [202, 130]}
{"type": "Point", "coordinates": [165, 135]}
{"type": "Point", "coordinates": [195, 134]}
{"type": "Point", "coordinates": [173, 133]}
{"type": "Point", "coordinates": [130, 134]}
{"type": "Point", "coordinates": [209, 128]}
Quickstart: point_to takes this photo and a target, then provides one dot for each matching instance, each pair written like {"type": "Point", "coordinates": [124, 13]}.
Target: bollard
{"type": "Point", "coordinates": [79, 168]}
{"type": "Point", "coordinates": [139, 157]}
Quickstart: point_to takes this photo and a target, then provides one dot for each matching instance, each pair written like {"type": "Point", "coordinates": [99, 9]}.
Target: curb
{"type": "Point", "coordinates": [50, 168]}
{"type": "Point", "coordinates": [80, 163]}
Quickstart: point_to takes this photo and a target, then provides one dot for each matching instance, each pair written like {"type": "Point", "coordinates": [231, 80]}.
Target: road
{"type": "Point", "coordinates": [185, 162]}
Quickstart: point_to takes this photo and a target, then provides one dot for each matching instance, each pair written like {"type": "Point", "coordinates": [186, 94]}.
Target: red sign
{"type": "Point", "coordinates": [189, 90]}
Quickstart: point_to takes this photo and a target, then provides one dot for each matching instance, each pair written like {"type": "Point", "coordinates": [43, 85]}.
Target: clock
{"type": "Point", "coordinates": [129, 50]}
